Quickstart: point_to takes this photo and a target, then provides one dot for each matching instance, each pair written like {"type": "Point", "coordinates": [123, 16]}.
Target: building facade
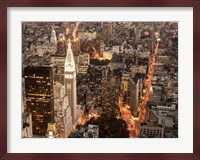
{"type": "Point", "coordinates": [151, 130]}
{"type": "Point", "coordinates": [53, 38]}
{"type": "Point", "coordinates": [70, 82]}
{"type": "Point", "coordinates": [134, 96]}
{"type": "Point", "coordinates": [39, 97]}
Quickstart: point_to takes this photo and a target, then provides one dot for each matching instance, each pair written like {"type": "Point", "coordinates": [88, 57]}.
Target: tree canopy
{"type": "Point", "coordinates": [110, 126]}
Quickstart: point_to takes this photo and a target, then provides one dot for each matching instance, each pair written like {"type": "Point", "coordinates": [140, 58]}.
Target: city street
{"type": "Point", "coordinates": [147, 85]}
{"type": "Point", "coordinates": [132, 124]}
{"type": "Point", "coordinates": [83, 120]}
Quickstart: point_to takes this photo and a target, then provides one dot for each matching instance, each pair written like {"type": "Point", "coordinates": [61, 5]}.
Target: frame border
{"type": "Point", "coordinates": [4, 4]}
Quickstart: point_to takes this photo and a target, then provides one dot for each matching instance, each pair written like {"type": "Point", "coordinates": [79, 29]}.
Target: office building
{"type": "Point", "coordinates": [39, 97]}
{"type": "Point", "coordinates": [134, 96]}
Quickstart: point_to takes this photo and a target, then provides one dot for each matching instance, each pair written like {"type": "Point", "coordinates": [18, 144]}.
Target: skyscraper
{"type": "Point", "coordinates": [53, 38]}
{"type": "Point", "coordinates": [134, 96]}
{"type": "Point", "coordinates": [70, 82]}
{"type": "Point", "coordinates": [39, 97]}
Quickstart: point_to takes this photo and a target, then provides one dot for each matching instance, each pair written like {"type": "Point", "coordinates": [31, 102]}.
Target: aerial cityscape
{"type": "Point", "coordinates": [100, 79]}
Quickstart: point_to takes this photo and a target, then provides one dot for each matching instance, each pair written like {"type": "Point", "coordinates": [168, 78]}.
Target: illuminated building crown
{"type": "Point", "coordinates": [69, 61]}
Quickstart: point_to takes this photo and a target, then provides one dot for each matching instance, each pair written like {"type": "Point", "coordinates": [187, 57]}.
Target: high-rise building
{"type": "Point", "coordinates": [86, 58]}
{"type": "Point", "coordinates": [70, 82]}
{"type": "Point", "coordinates": [58, 61]}
{"type": "Point", "coordinates": [61, 44]}
{"type": "Point", "coordinates": [81, 59]}
{"type": "Point", "coordinates": [107, 30]}
{"type": "Point", "coordinates": [101, 48]}
{"type": "Point", "coordinates": [27, 125]}
{"type": "Point", "coordinates": [39, 97]}
{"type": "Point", "coordinates": [67, 117]}
{"type": "Point", "coordinates": [124, 87]}
{"type": "Point", "coordinates": [134, 96]}
{"type": "Point", "coordinates": [53, 38]}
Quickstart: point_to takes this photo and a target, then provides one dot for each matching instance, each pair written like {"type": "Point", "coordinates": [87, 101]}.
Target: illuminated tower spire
{"type": "Point", "coordinates": [69, 61]}
{"type": "Point", "coordinates": [70, 82]}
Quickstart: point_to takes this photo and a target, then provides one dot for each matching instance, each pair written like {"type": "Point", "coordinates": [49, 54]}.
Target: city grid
{"type": "Point", "coordinates": [100, 79]}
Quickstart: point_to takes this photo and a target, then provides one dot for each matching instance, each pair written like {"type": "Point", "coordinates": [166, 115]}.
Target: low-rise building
{"type": "Point", "coordinates": [92, 131]}
{"type": "Point", "coordinates": [51, 131]}
{"type": "Point", "coordinates": [152, 130]}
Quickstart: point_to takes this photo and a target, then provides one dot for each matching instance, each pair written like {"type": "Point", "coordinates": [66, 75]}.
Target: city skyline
{"type": "Point", "coordinates": [105, 79]}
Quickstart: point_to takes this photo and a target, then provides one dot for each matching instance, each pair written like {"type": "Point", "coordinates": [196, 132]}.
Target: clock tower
{"type": "Point", "coordinates": [70, 82]}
